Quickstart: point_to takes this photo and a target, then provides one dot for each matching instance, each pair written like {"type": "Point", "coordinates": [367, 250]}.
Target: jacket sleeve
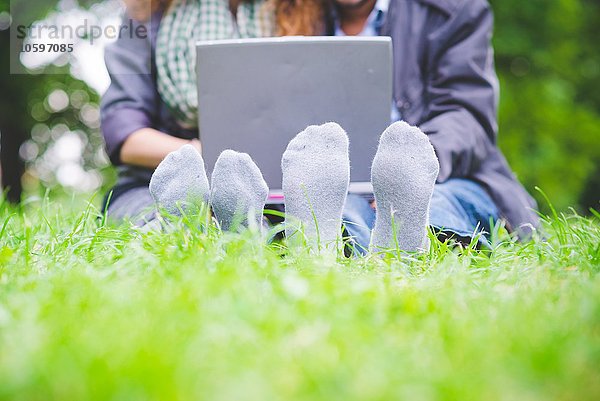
{"type": "Point", "coordinates": [131, 101]}
{"type": "Point", "coordinates": [462, 90]}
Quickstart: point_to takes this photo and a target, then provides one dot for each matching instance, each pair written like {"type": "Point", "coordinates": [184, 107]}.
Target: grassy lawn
{"type": "Point", "coordinates": [90, 311]}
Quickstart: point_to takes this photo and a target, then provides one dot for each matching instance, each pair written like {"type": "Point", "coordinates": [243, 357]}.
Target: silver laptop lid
{"type": "Point", "coordinates": [255, 95]}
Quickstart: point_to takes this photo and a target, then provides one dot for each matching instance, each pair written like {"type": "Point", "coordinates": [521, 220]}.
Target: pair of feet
{"type": "Point", "coordinates": [316, 175]}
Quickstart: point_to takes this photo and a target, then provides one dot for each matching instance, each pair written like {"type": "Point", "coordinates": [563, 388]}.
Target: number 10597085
{"type": "Point", "coordinates": [47, 48]}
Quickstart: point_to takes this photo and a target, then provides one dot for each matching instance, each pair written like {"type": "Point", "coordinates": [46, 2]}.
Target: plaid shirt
{"type": "Point", "coordinates": [189, 21]}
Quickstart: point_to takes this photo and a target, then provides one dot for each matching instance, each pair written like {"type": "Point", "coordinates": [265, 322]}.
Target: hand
{"type": "Point", "coordinates": [147, 147]}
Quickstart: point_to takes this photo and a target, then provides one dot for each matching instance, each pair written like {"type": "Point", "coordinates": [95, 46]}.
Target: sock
{"type": "Point", "coordinates": [316, 174]}
{"type": "Point", "coordinates": [239, 191]}
{"type": "Point", "coordinates": [403, 175]}
{"type": "Point", "coordinates": [180, 180]}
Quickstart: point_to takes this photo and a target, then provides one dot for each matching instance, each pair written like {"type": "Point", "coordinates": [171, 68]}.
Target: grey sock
{"type": "Point", "coordinates": [316, 174]}
{"type": "Point", "coordinates": [238, 191]}
{"type": "Point", "coordinates": [403, 175]}
{"type": "Point", "coordinates": [180, 180]}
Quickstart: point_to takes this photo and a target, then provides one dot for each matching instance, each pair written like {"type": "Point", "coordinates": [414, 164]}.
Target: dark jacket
{"type": "Point", "coordinates": [132, 101]}
{"type": "Point", "coordinates": [445, 83]}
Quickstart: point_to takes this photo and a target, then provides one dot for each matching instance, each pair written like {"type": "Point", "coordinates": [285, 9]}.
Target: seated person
{"type": "Point", "coordinates": [445, 83]}
{"type": "Point", "coordinates": [149, 109]}
{"type": "Point", "coordinates": [450, 92]}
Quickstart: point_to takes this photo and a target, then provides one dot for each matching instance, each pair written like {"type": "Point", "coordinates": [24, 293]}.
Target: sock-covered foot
{"type": "Point", "coordinates": [403, 175]}
{"type": "Point", "coordinates": [316, 174]}
{"type": "Point", "coordinates": [238, 191]}
{"type": "Point", "coordinates": [180, 180]}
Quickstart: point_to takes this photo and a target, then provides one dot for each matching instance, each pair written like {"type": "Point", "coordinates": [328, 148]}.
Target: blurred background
{"type": "Point", "coordinates": [547, 57]}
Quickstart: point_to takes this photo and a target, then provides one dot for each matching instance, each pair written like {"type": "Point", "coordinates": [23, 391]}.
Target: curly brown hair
{"type": "Point", "coordinates": [293, 17]}
{"type": "Point", "coordinates": [300, 17]}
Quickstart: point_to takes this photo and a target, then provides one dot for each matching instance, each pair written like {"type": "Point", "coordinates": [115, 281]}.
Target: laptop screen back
{"type": "Point", "coordinates": [254, 95]}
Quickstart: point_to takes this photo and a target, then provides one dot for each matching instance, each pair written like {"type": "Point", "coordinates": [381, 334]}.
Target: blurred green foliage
{"type": "Point", "coordinates": [25, 110]}
{"type": "Point", "coordinates": [549, 66]}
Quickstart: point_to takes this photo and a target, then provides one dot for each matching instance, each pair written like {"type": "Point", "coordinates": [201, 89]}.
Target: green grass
{"type": "Point", "coordinates": [90, 311]}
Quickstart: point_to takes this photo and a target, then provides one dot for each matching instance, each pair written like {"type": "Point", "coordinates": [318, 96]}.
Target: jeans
{"type": "Point", "coordinates": [133, 203]}
{"type": "Point", "coordinates": [460, 208]}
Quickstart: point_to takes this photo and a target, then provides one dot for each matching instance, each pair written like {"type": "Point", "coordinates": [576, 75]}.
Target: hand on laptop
{"type": "Point", "coordinates": [147, 147]}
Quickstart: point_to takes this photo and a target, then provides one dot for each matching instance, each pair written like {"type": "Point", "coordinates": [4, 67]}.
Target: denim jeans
{"type": "Point", "coordinates": [459, 208]}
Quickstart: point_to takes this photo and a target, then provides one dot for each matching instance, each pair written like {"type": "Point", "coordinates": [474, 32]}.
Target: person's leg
{"type": "Point", "coordinates": [358, 218]}
{"type": "Point", "coordinates": [134, 204]}
{"type": "Point", "coordinates": [316, 174]}
{"type": "Point", "coordinates": [238, 191]}
{"type": "Point", "coordinates": [180, 180]}
{"type": "Point", "coordinates": [461, 208]}
{"type": "Point", "coordinates": [408, 200]}
{"type": "Point", "coordinates": [403, 174]}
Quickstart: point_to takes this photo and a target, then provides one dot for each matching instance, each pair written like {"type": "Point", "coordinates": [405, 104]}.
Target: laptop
{"type": "Point", "coordinates": [255, 95]}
